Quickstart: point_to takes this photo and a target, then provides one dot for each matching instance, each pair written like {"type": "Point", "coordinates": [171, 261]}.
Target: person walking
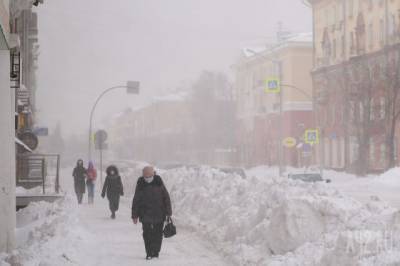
{"type": "Point", "coordinates": [79, 174]}
{"type": "Point", "coordinates": [151, 204]}
{"type": "Point", "coordinates": [90, 182]}
{"type": "Point", "coordinates": [113, 188]}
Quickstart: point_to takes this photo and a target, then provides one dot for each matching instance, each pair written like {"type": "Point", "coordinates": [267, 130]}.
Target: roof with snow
{"type": "Point", "coordinates": [299, 39]}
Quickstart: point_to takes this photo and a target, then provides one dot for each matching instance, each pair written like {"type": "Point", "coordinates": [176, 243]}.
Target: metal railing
{"type": "Point", "coordinates": [34, 170]}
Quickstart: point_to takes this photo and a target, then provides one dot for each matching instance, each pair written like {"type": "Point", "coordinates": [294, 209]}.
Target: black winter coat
{"type": "Point", "coordinates": [151, 203]}
{"type": "Point", "coordinates": [79, 175]}
{"type": "Point", "coordinates": [113, 184]}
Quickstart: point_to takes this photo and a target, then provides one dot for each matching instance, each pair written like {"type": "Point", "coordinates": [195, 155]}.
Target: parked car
{"type": "Point", "coordinates": [311, 175]}
{"type": "Point", "coordinates": [234, 170]}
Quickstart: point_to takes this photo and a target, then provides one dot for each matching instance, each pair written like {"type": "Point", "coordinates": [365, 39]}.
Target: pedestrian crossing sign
{"type": "Point", "coordinates": [311, 136]}
{"type": "Point", "coordinates": [273, 85]}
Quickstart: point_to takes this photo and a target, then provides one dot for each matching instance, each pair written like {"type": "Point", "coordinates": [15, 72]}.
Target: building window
{"type": "Point", "coordinates": [370, 4]}
{"type": "Point", "coordinates": [352, 111]}
{"type": "Point", "coordinates": [370, 35]}
{"type": "Point", "coordinates": [372, 110]}
{"type": "Point", "coordinates": [351, 8]}
{"type": "Point", "coordinates": [391, 25]}
{"type": "Point", "coordinates": [382, 108]}
{"type": "Point", "coordinates": [361, 106]}
{"type": "Point", "coordinates": [354, 145]}
{"type": "Point", "coordinates": [382, 32]}
{"type": "Point", "coordinates": [371, 150]}
{"type": "Point", "coordinates": [352, 47]}
{"type": "Point", "coordinates": [383, 153]}
{"type": "Point", "coordinates": [334, 49]}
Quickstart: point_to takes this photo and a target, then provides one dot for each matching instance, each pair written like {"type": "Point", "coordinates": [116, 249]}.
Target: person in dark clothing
{"type": "Point", "coordinates": [114, 189]}
{"type": "Point", "coordinates": [151, 205]}
{"type": "Point", "coordinates": [79, 175]}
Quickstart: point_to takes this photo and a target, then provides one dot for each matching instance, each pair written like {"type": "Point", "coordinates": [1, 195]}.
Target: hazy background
{"type": "Point", "coordinates": [90, 45]}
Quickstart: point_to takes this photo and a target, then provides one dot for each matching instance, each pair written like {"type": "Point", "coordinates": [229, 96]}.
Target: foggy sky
{"type": "Point", "coordinates": [90, 45]}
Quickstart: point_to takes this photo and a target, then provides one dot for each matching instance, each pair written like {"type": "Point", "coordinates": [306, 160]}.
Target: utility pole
{"type": "Point", "coordinates": [280, 148]}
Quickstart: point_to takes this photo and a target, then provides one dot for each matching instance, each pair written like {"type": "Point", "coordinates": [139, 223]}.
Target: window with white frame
{"type": "Point", "coordinates": [371, 150]}
{"type": "Point", "coordinates": [370, 35]}
{"type": "Point", "coordinates": [361, 111]}
{"type": "Point", "coordinates": [383, 153]}
{"type": "Point", "coordinates": [382, 108]}
{"type": "Point", "coordinates": [372, 110]}
{"type": "Point", "coordinates": [350, 7]}
{"type": "Point", "coordinates": [352, 111]}
{"type": "Point", "coordinates": [382, 31]}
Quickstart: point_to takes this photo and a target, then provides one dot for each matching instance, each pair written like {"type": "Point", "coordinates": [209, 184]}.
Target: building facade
{"type": "Point", "coordinates": [356, 57]}
{"type": "Point", "coordinates": [258, 111]}
{"type": "Point", "coordinates": [7, 147]}
{"type": "Point", "coordinates": [18, 54]}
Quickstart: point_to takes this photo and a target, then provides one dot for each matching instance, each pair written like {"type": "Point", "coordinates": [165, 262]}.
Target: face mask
{"type": "Point", "coordinates": [149, 179]}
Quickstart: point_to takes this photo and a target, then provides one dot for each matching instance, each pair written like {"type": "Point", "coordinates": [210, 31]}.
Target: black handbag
{"type": "Point", "coordinates": [169, 229]}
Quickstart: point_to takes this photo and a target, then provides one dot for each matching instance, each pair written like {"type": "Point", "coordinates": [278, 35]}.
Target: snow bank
{"type": "Point", "coordinates": [47, 234]}
{"type": "Point", "coordinates": [390, 178]}
{"type": "Point", "coordinates": [275, 221]}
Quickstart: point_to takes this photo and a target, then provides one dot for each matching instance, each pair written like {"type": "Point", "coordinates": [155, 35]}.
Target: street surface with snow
{"type": "Point", "coordinates": [224, 219]}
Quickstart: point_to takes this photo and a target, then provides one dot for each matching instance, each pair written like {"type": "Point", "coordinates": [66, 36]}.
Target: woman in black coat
{"type": "Point", "coordinates": [79, 175]}
{"type": "Point", "coordinates": [113, 188]}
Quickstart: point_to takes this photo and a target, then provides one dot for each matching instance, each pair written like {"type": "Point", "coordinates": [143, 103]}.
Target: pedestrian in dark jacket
{"type": "Point", "coordinates": [113, 188]}
{"type": "Point", "coordinates": [151, 205]}
{"type": "Point", "coordinates": [79, 175]}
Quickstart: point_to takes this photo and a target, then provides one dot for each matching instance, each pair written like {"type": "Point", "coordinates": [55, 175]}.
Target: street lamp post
{"type": "Point", "coordinates": [132, 87]}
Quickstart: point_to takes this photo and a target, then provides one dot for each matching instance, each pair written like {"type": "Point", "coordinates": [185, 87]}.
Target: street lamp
{"type": "Point", "coordinates": [132, 87]}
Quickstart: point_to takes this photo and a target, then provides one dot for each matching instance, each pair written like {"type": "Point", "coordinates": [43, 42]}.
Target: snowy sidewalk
{"type": "Point", "coordinates": [120, 242]}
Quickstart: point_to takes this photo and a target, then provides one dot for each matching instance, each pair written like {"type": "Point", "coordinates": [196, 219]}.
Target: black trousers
{"type": "Point", "coordinates": [152, 235]}
{"type": "Point", "coordinates": [79, 197]}
{"type": "Point", "coordinates": [113, 203]}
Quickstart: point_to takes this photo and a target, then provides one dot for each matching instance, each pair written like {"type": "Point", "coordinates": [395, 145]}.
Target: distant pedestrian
{"type": "Point", "coordinates": [151, 205]}
{"type": "Point", "coordinates": [113, 188]}
{"type": "Point", "coordinates": [90, 182]}
{"type": "Point", "coordinates": [79, 174]}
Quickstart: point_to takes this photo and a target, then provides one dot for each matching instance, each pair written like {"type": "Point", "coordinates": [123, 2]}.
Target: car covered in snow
{"type": "Point", "coordinates": [309, 175]}
{"type": "Point", "coordinates": [233, 170]}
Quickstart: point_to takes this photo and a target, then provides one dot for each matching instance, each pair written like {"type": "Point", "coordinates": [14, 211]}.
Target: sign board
{"type": "Point", "coordinates": [311, 136]}
{"type": "Point", "coordinates": [29, 139]}
{"type": "Point", "coordinates": [41, 131]}
{"type": "Point", "coordinates": [289, 142]}
{"type": "Point", "coordinates": [133, 87]}
{"type": "Point", "coordinates": [273, 85]}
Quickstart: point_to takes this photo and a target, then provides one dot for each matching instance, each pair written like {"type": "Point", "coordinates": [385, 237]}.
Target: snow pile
{"type": "Point", "coordinates": [390, 178]}
{"type": "Point", "coordinates": [275, 221]}
{"type": "Point", "coordinates": [47, 234]}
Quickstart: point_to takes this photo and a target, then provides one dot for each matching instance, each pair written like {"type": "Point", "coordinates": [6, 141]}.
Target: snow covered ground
{"type": "Point", "coordinates": [67, 234]}
{"type": "Point", "coordinates": [224, 219]}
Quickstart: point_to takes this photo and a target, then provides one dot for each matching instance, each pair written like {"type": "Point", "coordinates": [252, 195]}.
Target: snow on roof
{"type": "Point", "coordinates": [293, 39]}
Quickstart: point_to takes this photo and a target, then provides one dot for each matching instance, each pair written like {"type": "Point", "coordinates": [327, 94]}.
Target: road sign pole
{"type": "Point", "coordinates": [101, 166]}
{"type": "Point", "coordinates": [281, 155]}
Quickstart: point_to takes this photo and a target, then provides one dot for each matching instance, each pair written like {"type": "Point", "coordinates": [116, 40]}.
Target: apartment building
{"type": "Point", "coordinates": [356, 57]}
{"type": "Point", "coordinates": [258, 111]}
